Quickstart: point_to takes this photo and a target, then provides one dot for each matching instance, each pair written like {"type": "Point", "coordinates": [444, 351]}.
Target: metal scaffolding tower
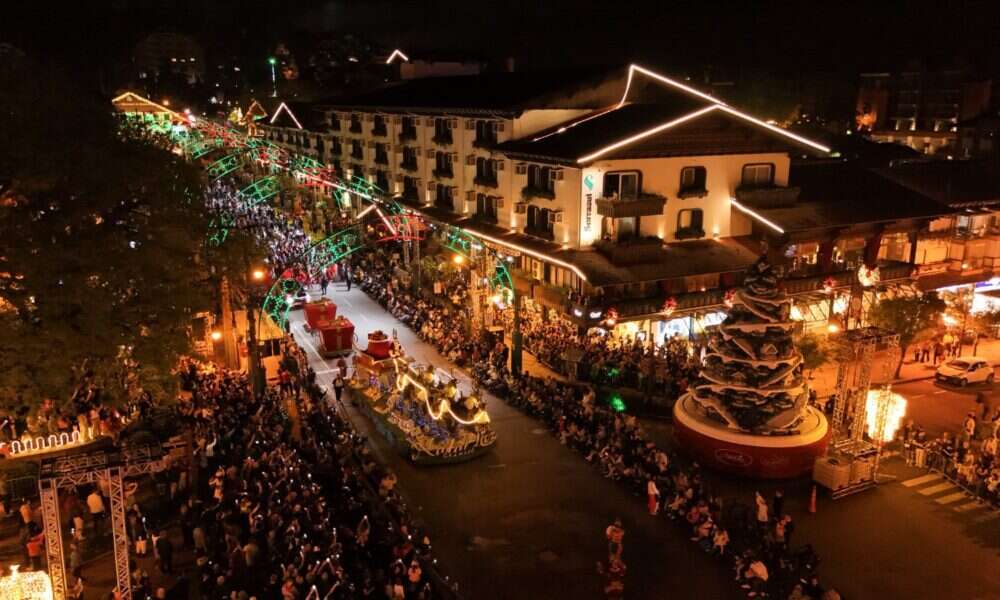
{"type": "Point", "coordinates": [68, 471]}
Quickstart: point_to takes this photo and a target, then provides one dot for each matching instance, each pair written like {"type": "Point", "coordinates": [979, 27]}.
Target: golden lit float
{"type": "Point", "coordinates": [428, 420]}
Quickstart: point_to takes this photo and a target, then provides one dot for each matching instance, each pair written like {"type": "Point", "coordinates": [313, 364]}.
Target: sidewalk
{"type": "Point", "coordinates": [824, 379]}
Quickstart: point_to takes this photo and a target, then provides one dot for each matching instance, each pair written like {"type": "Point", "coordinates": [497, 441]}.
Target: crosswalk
{"type": "Point", "coordinates": [945, 493]}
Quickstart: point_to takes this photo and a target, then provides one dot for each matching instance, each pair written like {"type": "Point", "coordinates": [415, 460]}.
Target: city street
{"type": "Point", "coordinates": [544, 540]}
{"type": "Point", "coordinates": [882, 543]}
{"type": "Point", "coordinates": [939, 408]}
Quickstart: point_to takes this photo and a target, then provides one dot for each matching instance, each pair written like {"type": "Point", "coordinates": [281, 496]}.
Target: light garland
{"type": "Point", "coordinates": [395, 53]}
{"type": "Point", "coordinates": [277, 111]}
{"type": "Point", "coordinates": [480, 418]}
{"type": "Point", "coordinates": [755, 215]}
{"type": "Point", "coordinates": [645, 134]}
{"type": "Point", "coordinates": [33, 585]}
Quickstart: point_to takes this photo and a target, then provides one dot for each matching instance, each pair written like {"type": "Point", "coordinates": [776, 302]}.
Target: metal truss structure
{"type": "Point", "coordinates": [112, 466]}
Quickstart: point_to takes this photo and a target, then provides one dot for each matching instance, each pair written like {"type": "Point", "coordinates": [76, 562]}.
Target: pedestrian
{"type": "Point", "coordinates": [778, 504]}
{"type": "Point", "coordinates": [35, 544]}
{"type": "Point", "coordinates": [347, 276]}
{"type": "Point", "coordinates": [95, 504]}
{"type": "Point", "coordinates": [165, 553]}
{"type": "Point", "coordinates": [938, 352]}
{"type": "Point", "coordinates": [338, 386]}
{"type": "Point", "coordinates": [970, 425]}
{"type": "Point", "coordinates": [653, 497]}
{"type": "Point", "coordinates": [615, 534]}
{"type": "Point", "coordinates": [925, 352]}
{"type": "Point", "coordinates": [762, 517]}
{"type": "Point", "coordinates": [324, 283]}
{"type": "Point", "coordinates": [983, 400]}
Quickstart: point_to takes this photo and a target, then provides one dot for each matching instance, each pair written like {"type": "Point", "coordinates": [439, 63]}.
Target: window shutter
{"type": "Point", "coordinates": [430, 186]}
{"type": "Point", "coordinates": [521, 208]}
{"type": "Point", "coordinates": [369, 117]}
{"type": "Point", "coordinates": [454, 157]}
{"type": "Point", "coordinates": [399, 177]}
{"type": "Point", "coordinates": [556, 174]}
{"type": "Point", "coordinates": [452, 123]}
{"type": "Point", "coordinates": [430, 121]}
{"type": "Point", "coordinates": [499, 202]}
{"type": "Point", "coordinates": [521, 168]}
{"type": "Point", "coordinates": [499, 163]}
{"type": "Point", "coordinates": [432, 153]}
{"type": "Point", "coordinates": [470, 160]}
{"type": "Point", "coordinates": [453, 191]}
{"type": "Point", "coordinates": [470, 196]}
{"type": "Point", "coordinates": [371, 144]}
{"type": "Point", "coordinates": [396, 120]}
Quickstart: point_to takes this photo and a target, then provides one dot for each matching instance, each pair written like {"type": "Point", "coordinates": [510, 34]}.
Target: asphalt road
{"type": "Point", "coordinates": [527, 520]}
{"type": "Point", "coordinates": [940, 408]}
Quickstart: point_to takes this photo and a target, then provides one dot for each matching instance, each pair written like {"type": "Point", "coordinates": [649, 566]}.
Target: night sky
{"type": "Point", "coordinates": [845, 37]}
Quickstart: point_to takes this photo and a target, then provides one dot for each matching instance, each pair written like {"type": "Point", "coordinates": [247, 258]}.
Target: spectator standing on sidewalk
{"type": "Point", "coordinates": [165, 553]}
{"type": "Point", "coordinates": [95, 504]}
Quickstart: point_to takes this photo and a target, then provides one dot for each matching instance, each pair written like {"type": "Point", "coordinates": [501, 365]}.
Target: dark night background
{"type": "Point", "coordinates": [838, 37]}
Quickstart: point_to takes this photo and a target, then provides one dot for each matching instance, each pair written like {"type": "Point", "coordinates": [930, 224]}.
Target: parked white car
{"type": "Point", "coordinates": [964, 370]}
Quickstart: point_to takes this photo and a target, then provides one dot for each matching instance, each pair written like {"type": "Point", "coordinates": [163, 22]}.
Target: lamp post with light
{"type": "Point", "coordinates": [258, 277]}
{"type": "Point", "coordinates": [274, 78]}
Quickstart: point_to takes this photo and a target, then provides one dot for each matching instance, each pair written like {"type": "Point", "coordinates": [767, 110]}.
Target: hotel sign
{"type": "Point", "coordinates": [590, 191]}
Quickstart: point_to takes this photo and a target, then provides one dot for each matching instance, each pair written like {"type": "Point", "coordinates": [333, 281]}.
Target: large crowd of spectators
{"type": "Point", "coordinates": [282, 234]}
{"type": "Point", "coordinates": [970, 456]}
{"type": "Point", "coordinates": [755, 537]}
{"type": "Point", "coordinates": [284, 508]}
{"type": "Point", "coordinates": [607, 360]}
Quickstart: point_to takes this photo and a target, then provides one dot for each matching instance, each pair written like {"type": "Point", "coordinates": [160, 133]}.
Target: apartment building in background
{"type": "Point", "coordinates": [921, 107]}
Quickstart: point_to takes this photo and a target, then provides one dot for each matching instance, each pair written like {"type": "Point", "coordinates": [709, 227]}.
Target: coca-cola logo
{"type": "Point", "coordinates": [733, 458]}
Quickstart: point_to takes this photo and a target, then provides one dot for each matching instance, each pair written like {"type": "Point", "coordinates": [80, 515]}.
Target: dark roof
{"type": "Point", "coordinates": [956, 183]}
{"type": "Point", "coordinates": [715, 132]}
{"type": "Point", "coordinates": [501, 93]}
{"type": "Point", "coordinates": [680, 259]}
{"type": "Point", "coordinates": [843, 194]}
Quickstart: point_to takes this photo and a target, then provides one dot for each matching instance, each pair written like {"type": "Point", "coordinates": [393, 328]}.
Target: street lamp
{"type": "Point", "coordinates": [274, 79]}
{"type": "Point", "coordinates": [257, 277]}
{"type": "Point", "coordinates": [216, 335]}
{"type": "Point", "coordinates": [458, 259]}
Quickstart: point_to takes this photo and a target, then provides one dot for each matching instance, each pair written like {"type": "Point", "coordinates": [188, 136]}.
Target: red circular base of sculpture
{"type": "Point", "coordinates": [756, 456]}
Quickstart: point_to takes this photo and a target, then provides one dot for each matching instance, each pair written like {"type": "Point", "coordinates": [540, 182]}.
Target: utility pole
{"type": "Point", "coordinates": [515, 349]}
{"type": "Point", "coordinates": [228, 331]}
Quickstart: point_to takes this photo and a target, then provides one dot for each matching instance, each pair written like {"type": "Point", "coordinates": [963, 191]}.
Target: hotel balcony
{"type": "Point", "coordinates": [643, 206]}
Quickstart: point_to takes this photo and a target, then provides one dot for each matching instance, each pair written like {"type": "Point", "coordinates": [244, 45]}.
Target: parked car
{"type": "Point", "coordinates": [964, 370]}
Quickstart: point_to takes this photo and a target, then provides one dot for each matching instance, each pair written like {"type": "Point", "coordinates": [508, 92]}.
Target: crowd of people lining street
{"type": "Point", "coordinates": [756, 538]}
{"type": "Point", "coordinates": [970, 456]}
{"type": "Point", "coordinates": [283, 510]}
{"type": "Point", "coordinates": [644, 365]}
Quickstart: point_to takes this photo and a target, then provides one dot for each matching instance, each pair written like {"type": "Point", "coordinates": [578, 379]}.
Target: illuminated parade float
{"type": "Point", "coordinates": [748, 412]}
{"type": "Point", "coordinates": [425, 419]}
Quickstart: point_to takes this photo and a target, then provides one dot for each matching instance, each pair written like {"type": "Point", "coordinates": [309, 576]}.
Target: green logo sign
{"type": "Point", "coordinates": [588, 181]}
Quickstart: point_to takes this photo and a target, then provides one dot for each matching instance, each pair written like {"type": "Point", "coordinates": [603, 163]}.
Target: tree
{"type": "Point", "coordinates": [815, 350]}
{"type": "Point", "coordinates": [100, 236]}
{"type": "Point", "coordinates": [909, 317]}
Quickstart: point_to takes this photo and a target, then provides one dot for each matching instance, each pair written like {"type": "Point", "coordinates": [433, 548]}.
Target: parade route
{"type": "Point", "coordinates": [544, 540]}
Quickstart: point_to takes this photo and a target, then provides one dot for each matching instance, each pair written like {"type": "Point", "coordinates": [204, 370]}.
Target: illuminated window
{"type": "Point", "coordinates": [692, 181]}
{"type": "Point", "coordinates": [758, 175]}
